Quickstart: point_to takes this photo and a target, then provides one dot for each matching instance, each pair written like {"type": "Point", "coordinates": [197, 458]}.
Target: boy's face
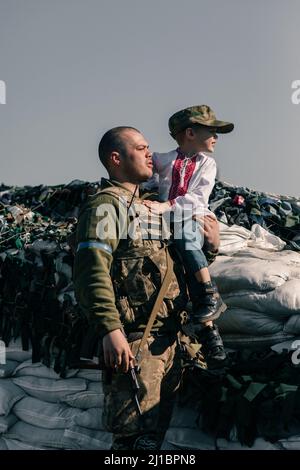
{"type": "Point", "coordinates": [204, 139]}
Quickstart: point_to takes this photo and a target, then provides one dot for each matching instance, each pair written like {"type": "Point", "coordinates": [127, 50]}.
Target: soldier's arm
{"type": "Point", "coordinates": [98, 235]}
{"type": "Point", "coordinates": [212, 238]}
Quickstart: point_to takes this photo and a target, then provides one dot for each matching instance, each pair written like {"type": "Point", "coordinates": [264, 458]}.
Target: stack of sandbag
{"type": "Point", "coordinates": [185, 432]}
{"type": "Point", "coordinates": [40, 410]}
{"type": "Point", "coordinates": [260, 283]}
{"type": "Point", "coordinates": [253, 405]}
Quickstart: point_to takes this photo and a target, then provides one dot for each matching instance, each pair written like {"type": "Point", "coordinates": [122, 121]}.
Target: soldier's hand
{"type": "Point", "coordinates": [211, 232]}
{"type": "Point", "coordinates": [117, 353]}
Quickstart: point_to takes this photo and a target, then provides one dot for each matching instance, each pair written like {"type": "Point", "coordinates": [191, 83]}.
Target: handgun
{"type": "Point", "coordinates": [133, 370]}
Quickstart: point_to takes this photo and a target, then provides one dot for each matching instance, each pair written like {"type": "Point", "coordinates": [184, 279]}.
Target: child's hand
{"type": "Point", "coordinates": [157, 207]}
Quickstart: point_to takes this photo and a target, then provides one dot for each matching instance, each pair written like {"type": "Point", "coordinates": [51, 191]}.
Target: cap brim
{"type": "Point", "coordinates": [222, 127]}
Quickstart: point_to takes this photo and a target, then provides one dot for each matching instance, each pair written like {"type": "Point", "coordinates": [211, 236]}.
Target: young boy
{"type": "Point", "coordinates": [185, 178]}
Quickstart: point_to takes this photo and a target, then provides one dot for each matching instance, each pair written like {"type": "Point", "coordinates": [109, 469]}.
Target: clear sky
{"type": "Point", "coordinates": [75, 68]}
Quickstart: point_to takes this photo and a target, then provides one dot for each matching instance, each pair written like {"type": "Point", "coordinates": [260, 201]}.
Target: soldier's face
{"type": "Point", "coordinates": [137, 163]}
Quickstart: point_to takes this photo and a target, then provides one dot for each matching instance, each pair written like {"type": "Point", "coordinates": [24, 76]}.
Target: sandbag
{"type": "Point", "coordinates": [6, 422]}
{"type": "Point", "coordinates": [9, 395]}
{"type": "Point", "coordinates": [49, 390]}
{"type": "Point", "coordinates": [38, 369]}
{"type": "Point", "coordinates": [292, 326]}
{"type": "Point", "coordinates": [235, 238]}
{"type": "Point", "coordinates": [279, 303]}
{"type": "Point", "coordinates": [88, 438]}
{"type": "Point", "coordinates": [238, 273]}
{"type": "Point", "coordinates": [237, 320]}
{"type": "Point", "coordinates": [7, 369]}
{"type": "Point", "coordinates": [40, 437]}
{"type": "Point", "coordinates": [93, 397]}
{"type": "Point", "coordinates": [14, 444]}
{"type": "Point", "coordinates": [91, 418]}
{"type": "Point", "coordinates": [45, 415]}
{"type": "Point", "coordinates": [3, 445]}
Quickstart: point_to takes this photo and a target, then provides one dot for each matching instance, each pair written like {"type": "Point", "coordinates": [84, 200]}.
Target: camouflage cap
{"type": "Point", "coordinates": [202, 114]}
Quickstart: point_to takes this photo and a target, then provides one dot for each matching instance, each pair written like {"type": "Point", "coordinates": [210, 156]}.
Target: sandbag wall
{"type": "Point", "coordinates": [262, 291]}
{"type": "Point", "coordinates": [39, 410]}
{"type": "Point", "coordinates": [253, 406]}
{"type": "Point", "coordinates": [56, 407]}
{"type": "Point", "coordinates": [37, 299]}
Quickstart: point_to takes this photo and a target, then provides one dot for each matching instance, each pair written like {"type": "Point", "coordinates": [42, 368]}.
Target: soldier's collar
{"type": "Point", "coordinates": [108, 183]}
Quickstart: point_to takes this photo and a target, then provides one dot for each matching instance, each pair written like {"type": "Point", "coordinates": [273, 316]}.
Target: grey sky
{"type": "Point", "coordinates": [75, 68]}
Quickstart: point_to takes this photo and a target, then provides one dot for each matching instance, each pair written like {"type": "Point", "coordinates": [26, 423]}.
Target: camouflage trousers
{"type": "Point", "coordinates": [159, 379]}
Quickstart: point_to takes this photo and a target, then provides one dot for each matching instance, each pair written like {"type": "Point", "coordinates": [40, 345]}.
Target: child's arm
{"type": "Point", "coordinates": [158, 207]}
{"type": "Point", "coordinates": [196, 197]}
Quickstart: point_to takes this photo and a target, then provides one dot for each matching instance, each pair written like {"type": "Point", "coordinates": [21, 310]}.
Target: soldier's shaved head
{"type": "Point", "coordinates": [112, 142]}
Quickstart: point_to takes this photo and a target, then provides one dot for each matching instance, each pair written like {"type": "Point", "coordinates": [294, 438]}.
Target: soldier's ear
{"type": "Point", "coordinates": [115, 158]}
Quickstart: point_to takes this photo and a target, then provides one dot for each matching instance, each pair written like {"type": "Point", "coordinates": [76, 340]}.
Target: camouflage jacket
{"type": "Point", "coordinates": [120, 263]}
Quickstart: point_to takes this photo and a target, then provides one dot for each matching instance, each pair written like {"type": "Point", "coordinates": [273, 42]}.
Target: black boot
{"type": "Point", "coordinates": [208, 305]}
{"type": "Point", "coordinates": [212, 347]}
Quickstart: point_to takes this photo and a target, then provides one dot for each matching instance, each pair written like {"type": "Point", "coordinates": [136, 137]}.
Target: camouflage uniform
{"type": "Point", "coordinates": [117, 279]}
{"type": "Point", "coordinates": [159, 379]}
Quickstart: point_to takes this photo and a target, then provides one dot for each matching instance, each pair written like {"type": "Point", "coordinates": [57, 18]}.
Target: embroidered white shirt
{"type": "Point", "coordinates": [183, 180]}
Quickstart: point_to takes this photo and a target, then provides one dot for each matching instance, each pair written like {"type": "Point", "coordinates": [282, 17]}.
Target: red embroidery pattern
{"type": "Point", "coordinates": [176, 175]}
{"type": "Point", "coordinates": [176, 188]}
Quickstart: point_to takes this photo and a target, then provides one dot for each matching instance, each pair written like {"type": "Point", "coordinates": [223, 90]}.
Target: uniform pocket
{"type": "Point", "coordinates": [135, 282]}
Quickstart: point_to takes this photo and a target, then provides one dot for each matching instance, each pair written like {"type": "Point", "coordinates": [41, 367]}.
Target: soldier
{"type": "Point", "coordinates": [118, 273]}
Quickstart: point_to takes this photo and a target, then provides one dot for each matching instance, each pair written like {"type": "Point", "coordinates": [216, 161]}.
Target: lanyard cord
{"type": "Point", "coordinates": [134, 193]}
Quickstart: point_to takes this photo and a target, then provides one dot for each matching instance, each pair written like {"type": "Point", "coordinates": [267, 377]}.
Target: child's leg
{"type": "Point", "coordinates": [207, 303]}
{"type": "Point", "coordinates": [202, 275]}
{"type": "Point", "coordinates": [189, 243]}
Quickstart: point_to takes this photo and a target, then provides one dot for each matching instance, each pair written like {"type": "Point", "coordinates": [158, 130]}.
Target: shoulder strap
{"type": "Point", "coordinates": [115, 191]}
{"type": "Point", "coordinates": [162, 291]}
{"type": "Point", "coordinates": [119, 193]}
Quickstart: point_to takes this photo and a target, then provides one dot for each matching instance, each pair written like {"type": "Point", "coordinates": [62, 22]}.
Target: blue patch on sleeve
{"type": "Point", "coordinates": [99, 245]}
